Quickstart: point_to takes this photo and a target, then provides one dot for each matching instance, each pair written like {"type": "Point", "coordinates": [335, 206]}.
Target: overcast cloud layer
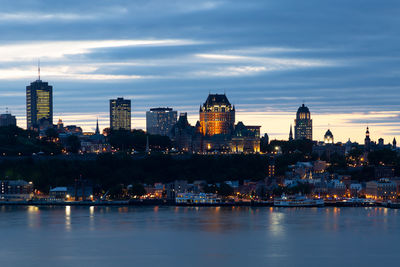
{"type": "Point", "coordinates": [340, 57]}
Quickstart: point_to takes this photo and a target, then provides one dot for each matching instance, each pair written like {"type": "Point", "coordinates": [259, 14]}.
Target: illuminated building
{"type": "Point", "coordinates": [217, 115]}
{"type": "Point", "coordinates": [7, 120]}
{"type": "Point", "coordinates": [160, 121]}
{"type": "Point", "coordinates": [303, 124]}
{"type": "Point", "coordinates": [382, 189]}
{"type": "Point", "coordinates": [39, 104]}
{"type": "Point", "coordinates": [16, 189]}
{"type": "Point", "coordinates": [367, 141]}
{"type": "Point", "coordinates": [245, 139]}
{"type": "Point", "coordinates": [271, 168]}
{"type": "Point", "coordinates": [328, 137]}
{"type": "Point", "coordinates": [120, 114]}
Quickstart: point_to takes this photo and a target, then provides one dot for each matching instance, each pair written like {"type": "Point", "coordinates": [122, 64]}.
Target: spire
{"type": "Point", "coordinates": [394, 143]}
{"type": "Point", "coordinates": [39, 69]}
{"type": "Point", "coordinates": [290, 133]}
{"type": "Point", "coordinates": [97, 127]}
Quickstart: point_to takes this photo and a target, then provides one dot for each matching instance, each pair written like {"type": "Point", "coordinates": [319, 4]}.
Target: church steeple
{"type": "Point", "coordinates": [394, 143]}
{"type": "Point", "coordinates": [367, 141]}
{"type": "Point", "coordinates": [97, 127]}
{"type": "Point", "coordinates": [290, 133]}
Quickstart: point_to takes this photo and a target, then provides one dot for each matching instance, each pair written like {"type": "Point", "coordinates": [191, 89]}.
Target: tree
{"type": "Point", "coordinates": [137, 190]}
{"type": "Point", "coordinates": [225, 190]}
{"type": "Point", "coordinates": [73, 144]}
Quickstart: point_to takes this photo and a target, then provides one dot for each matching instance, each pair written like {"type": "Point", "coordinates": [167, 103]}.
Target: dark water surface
{"type": "Point", "coordinates": [191, 236]}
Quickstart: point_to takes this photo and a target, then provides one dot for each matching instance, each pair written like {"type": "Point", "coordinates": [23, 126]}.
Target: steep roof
{"type": "Point", "coordinates": [216, 99]}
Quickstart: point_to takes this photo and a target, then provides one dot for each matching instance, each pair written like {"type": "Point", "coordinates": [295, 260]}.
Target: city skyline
{"type": "Point", "coordinates": [105, 122]}
{"type": "Point", "coordinates": [268, 62]}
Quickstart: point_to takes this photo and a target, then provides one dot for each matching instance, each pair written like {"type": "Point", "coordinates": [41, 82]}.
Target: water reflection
{"type": "Point", "coordinates": [276, 220]}
{"type": "Point", "coordinates": [199, 236]}
{"type": "Point", "coordinates": [68, 218]}
{"type": "Point", "coordinates": [33, 217]}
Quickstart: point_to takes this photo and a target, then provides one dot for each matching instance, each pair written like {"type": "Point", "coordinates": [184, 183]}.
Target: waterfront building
{"type": "Point", "coordinates": [58, 193]}
{"type": "Point", "coordinates": [303, 124]}
{"type": "Point", "coordinates": [176, 187]}
{"type": "Point", "coordinates": [39, 105]}
{"type": "Point", "coordinates": [7, 120]}
{"type": "Point", "coordinates": [160, 121]}
{"type": "Point", "coordinates": [383, 189]}
{"type": "Point", "coordinates": [217, 115]}
{"type": "Point", "coordinates": [197, 198]}
{"type": "Point", "coordinates": [120, 114]}
{"type": "Point", "coordinates": [16, 190]}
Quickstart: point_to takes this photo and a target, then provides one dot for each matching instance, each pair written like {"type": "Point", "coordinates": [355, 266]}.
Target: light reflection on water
{"type": "Point", "coordinates": [198, 236]}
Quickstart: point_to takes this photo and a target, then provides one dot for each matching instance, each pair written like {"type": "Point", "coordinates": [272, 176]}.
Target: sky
{"type": "Point", "coordinates": [341, 58]}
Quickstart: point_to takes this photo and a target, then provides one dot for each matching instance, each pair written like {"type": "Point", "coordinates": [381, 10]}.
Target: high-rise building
{"type": "Point", "coordinates": [160, 121]}
{"type": "Point", "coordinates": [120, 114]}
{"type": "Point", "coordinates": [217, 115]}
{"type": "Point", "coordinates": [7, 120]}
{"type": "Point", "coordinates": [39, 104]}
{"type": "Point", "coordinates": [303, 124]}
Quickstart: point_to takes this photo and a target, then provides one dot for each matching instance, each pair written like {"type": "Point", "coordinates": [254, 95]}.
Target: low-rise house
{"type": "Point", "coordinates": [59, 192]}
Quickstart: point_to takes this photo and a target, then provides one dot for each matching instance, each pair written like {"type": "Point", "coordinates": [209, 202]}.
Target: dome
{"type": "Point", "coordinates": [328, 133]}
{"type": "Point", "coordinates": [328, 137]}
{"type": "Point", "coordinates": [303, 113]}
{"type": "Point", "coordinates": [303, 109]}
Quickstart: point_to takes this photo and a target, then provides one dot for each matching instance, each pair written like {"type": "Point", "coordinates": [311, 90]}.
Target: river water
{"type": "Point", "coordinates": [198, 236]}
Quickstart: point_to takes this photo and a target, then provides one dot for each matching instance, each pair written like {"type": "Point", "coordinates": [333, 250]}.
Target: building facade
{"type": "Point", "coordinates": [217, 115]}
{"type": "Point", "coordinates": [160, 121]}
{"type": "Point", "coordinates": [303, 124]}
{"type": "Point", "coordinates": [120, 114]}
{"type": "Point", "coordinates": [7, 120]}
{"type": "Point", "coordinates": [39, 104]}
{"type": "Point", "coordinates": [16, 189]}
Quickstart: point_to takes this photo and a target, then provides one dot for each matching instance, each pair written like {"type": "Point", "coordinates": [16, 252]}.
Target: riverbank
{"type": "Point", "coordinates": [160, 202]}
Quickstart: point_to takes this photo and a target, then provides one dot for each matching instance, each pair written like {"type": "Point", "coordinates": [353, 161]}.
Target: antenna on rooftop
{"type": "Point", "coordinates": [39, 68]}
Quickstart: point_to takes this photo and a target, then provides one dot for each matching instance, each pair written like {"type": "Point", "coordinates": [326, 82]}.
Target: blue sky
{"type": "Point", "coordinates": [340, 57]}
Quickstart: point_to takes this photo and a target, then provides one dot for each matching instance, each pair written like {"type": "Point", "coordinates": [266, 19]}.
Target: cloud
{"type": "Point", "coordinates": [51, 50]}
{"type": "Point", "coordinates": [341, 58]}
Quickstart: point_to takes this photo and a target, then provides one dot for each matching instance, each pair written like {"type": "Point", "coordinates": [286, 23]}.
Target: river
{"type": "Point", "coordinates": [198, 236]}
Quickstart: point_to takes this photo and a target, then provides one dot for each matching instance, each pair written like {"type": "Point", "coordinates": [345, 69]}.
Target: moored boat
{"type": "Point", "coordinates": [298, 201]}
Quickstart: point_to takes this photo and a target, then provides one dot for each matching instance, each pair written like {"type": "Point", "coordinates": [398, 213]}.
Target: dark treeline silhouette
{"type": "Point", "coordinates": [137, 139]}
{"type": "Point", "coordinates": [17, 141]}
{"type": "Point", "coordinates": [109, 170]}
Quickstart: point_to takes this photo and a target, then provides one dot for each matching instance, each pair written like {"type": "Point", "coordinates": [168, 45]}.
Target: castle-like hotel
{"type": "Point", "coordinates": [216, 130]}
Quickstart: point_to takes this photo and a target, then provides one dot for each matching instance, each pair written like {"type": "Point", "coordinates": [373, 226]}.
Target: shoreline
{"type": "Point", "coordinates": [172, 203]}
